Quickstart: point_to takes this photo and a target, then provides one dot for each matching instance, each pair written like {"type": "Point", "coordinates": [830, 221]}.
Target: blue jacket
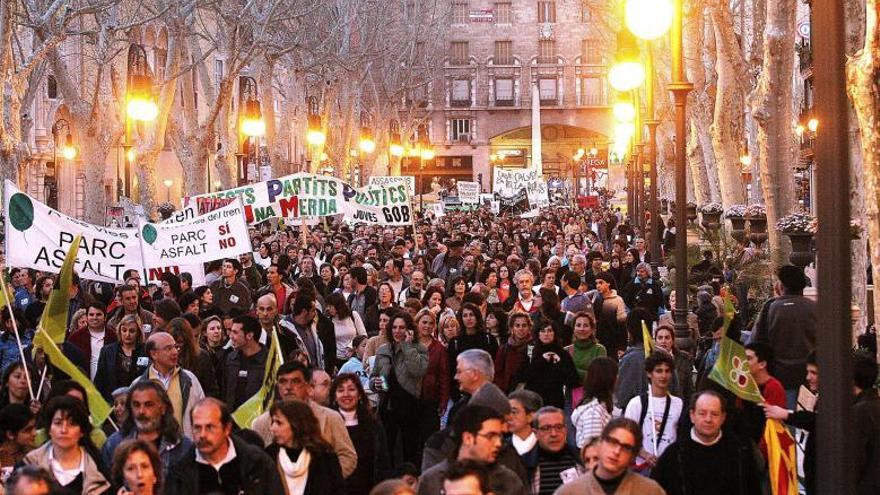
{"type": "Point", "coordinates": [170, 452]}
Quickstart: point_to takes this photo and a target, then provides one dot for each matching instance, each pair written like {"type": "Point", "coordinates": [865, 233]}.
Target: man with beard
{"type": "Point", "coordinates": [478, 433]}
{"type": "Point", "coordinates": [150, 417]}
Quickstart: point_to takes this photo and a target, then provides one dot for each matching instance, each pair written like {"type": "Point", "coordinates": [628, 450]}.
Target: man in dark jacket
{"type": "Point", "coordinates": [246, 364]}
{"type": "Point", "coordinates": [219, 462]}
{"type": "Point", "coordinates": [788, 324]}
{"type": "Point", "coordinates": [707, 460]}
{"type": "Point", "coordinates": [867, 424]}
{"type": "Point", "coordinates": [230, 291]}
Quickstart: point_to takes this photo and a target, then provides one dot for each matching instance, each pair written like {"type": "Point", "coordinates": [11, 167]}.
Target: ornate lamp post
{"type": "Point", "coordinates": [251, 125]}
{"type": "Point", "coordinates": [140, 103]}
{"type": "Point", "coordinates": [315, 136]}
{"type": "Point", "coordinates": [68, 150]}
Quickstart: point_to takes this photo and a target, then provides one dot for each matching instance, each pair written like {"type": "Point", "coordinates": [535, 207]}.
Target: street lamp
{"type": "Point", "coordinates": [168, 183]}
{"type": "Point", "coordinates": [315, 136]}
{"type": "Point", "coordinates": [140, 103]}
{"type": "Point", "coordinates": [648, 19]}
{"type": "Point", "coordinates": [395, 148]}
{"type": "Point", "coordinates": [251, 125]}
{"type": "Point", "coordinates": [68, 150]}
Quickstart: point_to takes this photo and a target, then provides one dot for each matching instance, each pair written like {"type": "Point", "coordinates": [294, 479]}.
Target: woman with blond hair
{"type": "Point", "coordinates": [120, 362]}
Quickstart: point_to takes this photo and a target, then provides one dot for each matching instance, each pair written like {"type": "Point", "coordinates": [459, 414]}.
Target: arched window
{"type": "Point", "coordinates": [51, 87]}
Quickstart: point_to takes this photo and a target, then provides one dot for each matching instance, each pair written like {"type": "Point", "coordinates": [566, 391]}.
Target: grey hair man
{"type": "Point", "coordinates": [474, 371]}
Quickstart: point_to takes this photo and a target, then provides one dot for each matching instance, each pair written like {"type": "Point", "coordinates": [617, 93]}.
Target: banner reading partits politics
{"type": "Point", "coordinates": [218, 234]}
{"type": "Point", "coordinates": [384, 205]}
{"type": "Point", "coordinates": [38, 237]}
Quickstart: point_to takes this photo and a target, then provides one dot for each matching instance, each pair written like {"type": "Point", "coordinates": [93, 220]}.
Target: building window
{"type": "Point", "coordinates": [218, 73]}
{"type": "Point", "coordinates": [460, 12]}
{"type": "Point", "coordinates": [459, 53]}
{"type": "Point", "coordinates": [546, 52]}
{"type": "Point", "coordinates": [503, 53]}
{"type": "Point", "coordinates": [410, 10]}
{"type": "Point", "coordinates": [51, 87]}
{"type": "Point", "coordinates": [419, 56]}
{"type": "Point", "coordinates": [461, 92]}
{"type": "Point", "coordinates": [503, 92]}
{"type": "Point", "coordinates": [586, 12]}
{"type": "Point", "coordinates": [592, 91]}
{"type": "Point", "coordinates": [160, 57]}
{"type": "Point", "coordinates": [546, 11]}
{"type": "Point", "coordinates": [547, 89]}
{"type": "Point", "coordinates": [460, 130]}
{"type": "Point", "coordinates": [503, 14]}
{"type": "Point", "coordinates": [591, 53]}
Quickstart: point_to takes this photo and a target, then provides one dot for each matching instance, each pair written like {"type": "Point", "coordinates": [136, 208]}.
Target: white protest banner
{"type": "Point", "coordinates": [468, 192]}
{"type": "Point", "coordinates": [219, 234]}
{"type": "Point", "coordinates": [393, 180]}
{"type": "Point", "coordinates": [508, 183]}
{"type": "Point", "coordinates": [385, 205]}
{"type": "Point", "coordinates": [292, 196]}
{"type": "Point", "coordinates": [38, 237]}
{"type": "Point", "coordinates": [486, 200]}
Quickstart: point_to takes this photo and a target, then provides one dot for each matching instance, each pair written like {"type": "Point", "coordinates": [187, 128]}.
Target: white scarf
{"type": "Point", "coordinates": [296, 474]}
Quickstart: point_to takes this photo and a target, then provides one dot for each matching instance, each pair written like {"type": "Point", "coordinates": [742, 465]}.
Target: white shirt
{"type": "Point", "coordinates": [230, 455]}
{"type": "Point", "coordinates": [97, 343]}
{"type": "Point", "coordinates": [65, 476]}
{"type": "Point", "coordinates": [524, 445]}
{"type": "Point", "coordinates": [651, 429]}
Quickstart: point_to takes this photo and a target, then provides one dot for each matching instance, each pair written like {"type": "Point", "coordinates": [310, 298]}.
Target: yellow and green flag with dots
{"type": "Point", "coordinates": [731, 370]}
{"type": "Point", "coordinates": [246, 413]}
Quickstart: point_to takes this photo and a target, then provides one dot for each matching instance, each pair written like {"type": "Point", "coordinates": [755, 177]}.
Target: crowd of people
{"type": "Point", "coordinates": [467, 355]}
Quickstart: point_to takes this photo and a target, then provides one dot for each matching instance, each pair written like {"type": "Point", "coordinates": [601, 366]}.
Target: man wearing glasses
{"type": "Point", "coordinates": [619, 443]}
{"type": "Point", "coordinates": [182, 386]}
{"type": "Point", "coordinates": [552, 462]}
{"type": "Point", "coordinates": [478, 435]}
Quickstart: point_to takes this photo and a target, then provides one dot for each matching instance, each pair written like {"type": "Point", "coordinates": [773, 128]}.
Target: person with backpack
{"type": "Point", "coordinates": [657, 411]}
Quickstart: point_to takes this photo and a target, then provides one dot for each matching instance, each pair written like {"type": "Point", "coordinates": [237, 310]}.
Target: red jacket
{"type": "Point", "coordinates": [435, 384]}
{"type": "Point", "coordinates": [83, 341]}
{"type": "Point", "coordinates": [508, 361]}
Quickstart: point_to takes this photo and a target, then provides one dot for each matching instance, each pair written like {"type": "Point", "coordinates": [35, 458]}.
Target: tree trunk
{"type": "Point", "coordinates": [697, 165]}
{"type": "Point", "coordinates": [863, 70]}
{"type": "Point", "coordinates": [726, 130]}
{"type": "Point", "coordinates": [772, 109]}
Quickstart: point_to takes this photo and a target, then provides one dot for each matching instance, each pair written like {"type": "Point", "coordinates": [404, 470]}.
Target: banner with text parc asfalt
{"type": "Point", "coordinates": [219, 234]}
{"type": "Point", "coordinates": [38, 237]}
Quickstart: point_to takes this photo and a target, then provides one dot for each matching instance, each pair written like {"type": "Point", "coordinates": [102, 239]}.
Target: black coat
{"type": "Point", "coordinates": [255, 368]}
{"type": "Point", "coordinates": [549, 376]}
{"type": "Point", "coordinates": [106, 379]}
{"type": "Point", "coordinates": [867, 435]}
{"type": "Point", "coordinates": [255, 470]}
{"type": "Point", "coordinates": [325, 474]}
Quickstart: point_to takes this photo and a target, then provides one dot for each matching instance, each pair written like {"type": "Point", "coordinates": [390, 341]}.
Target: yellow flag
{"type": "Point", "coordinates": [246, 413]}
{"type": "Point", "coordinates": [5, 297]}
{"type": "Point", "coordinates": [54, 319]}
{"type": "Point", "coordinates": [98, 407]}
{"type": "Point", "coordinates": [649, 341]}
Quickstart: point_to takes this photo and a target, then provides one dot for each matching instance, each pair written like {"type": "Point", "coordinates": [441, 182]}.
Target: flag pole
{"type": "Point", "coordinates": [9, 303]}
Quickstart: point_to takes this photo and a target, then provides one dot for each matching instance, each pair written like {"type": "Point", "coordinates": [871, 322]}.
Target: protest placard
{"type": "Point", "coordinates": [218, 234]}
{"type": "Point", "coordinates": [468, 192]}
{"type": "Point", "coordinates": [38, 237]}
{"type": "Point", "coordinates": [516, 205]}
{"type": "Point", "coordinates": [379, 205]}
{"type": "Point", "coordinates": [508, 183]}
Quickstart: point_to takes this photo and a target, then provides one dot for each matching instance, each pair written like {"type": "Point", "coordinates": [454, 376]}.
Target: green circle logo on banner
{"type": "Point", "coordinates": [149, 233]}
{"type": "Point", "coordinates": [21, 212]}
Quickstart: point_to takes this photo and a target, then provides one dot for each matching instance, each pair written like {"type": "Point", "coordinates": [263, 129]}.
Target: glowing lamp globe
{"type": "Point", "coordinates": [142, 109]}
{"type": "Point", "coordinates": [396, 150]}
{"type": "Point", "coordinates": [316, 137]}
{"type": "Point", "coordinates": [626, 76]}
{"type": "Point", "coordinates": [427, 154]}
{"type": "Point", "coordinates": [68, 152]}
{"type": "Point", "coordinates": [368, 145]}
{"type": "Point", "coordinates": [253, 127]}
{"type": "Point", "coordinates": [649, 19]}
{"type": "Point", "coordinates": [624, 112]}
